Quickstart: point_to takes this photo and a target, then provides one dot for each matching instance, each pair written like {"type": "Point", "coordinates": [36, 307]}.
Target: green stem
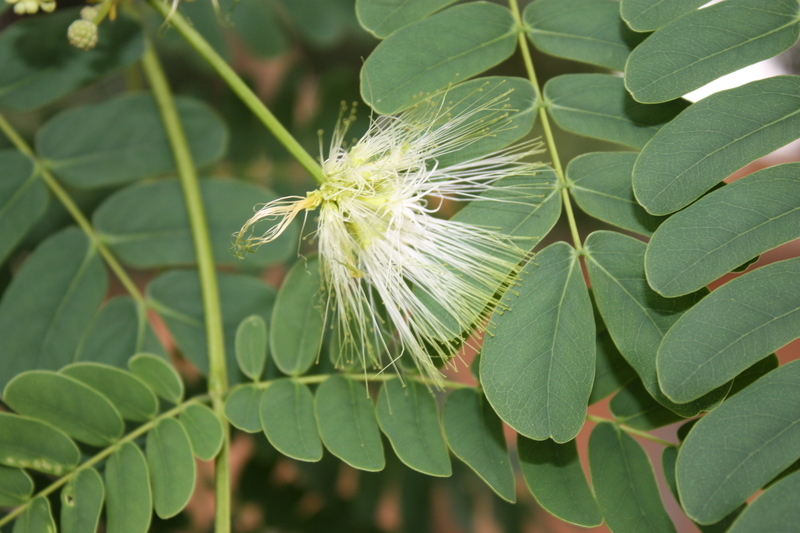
{"type": "Point", "coordinates": [65, 199]}
{"type": "Point", "coordinates": [545, 119]}
{"type": "Point", "coordinates": [212, 310]}
{"type": "Point", "coordinates": [241, 89]}
{"type": "Point", "coordinates": [133, 435]}
{"type": "Point", "coordinates": [631, 431]}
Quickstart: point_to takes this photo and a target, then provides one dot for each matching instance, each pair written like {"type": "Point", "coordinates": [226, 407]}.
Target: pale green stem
{"type": "Point", "coordinates": [240, 88]}
{"type": "Point", "coordinates": [545, 119]}
{"type": "Point", "coordinates": [136, 433]}
{"type": "Point", "coordinates": [217, 376]}
{"type": "Point", "coordinates": [631, 431]}
{"type": "Point", "coordinates": [65, 199]}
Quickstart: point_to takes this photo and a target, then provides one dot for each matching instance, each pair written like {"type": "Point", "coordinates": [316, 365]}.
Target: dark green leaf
{"type": "Point", "coordinates": [130, 395]}
{"type": "Point", "coordinates": [432, 54]}
{"type": "Point", "coordinates": [37, 518]}
{"type": "Point", "coordinates": [28, 443]}
{"type": "Point", "coordinates": [537, 366]}
{"type": "Point", "coordinates": [242, 408]}
{"type": "Point", "coordinates": [712, 139]}
{"type": "Point", "coordinates": [383, 17]}
{"type": "Point", "coordinates": [129, 501]}
{"type": "Point", "coordinates": [591, 31]}
{"type": "Point", "coordinates": [80, 411]}
{"type": "Point", "coordinates": [260, 27]}
{"type": "Point", "coordinates": [123, 140]}
{"type": "Point", "coordinates": [724, 229]}
{"type": "Point", "coordinates": [510, 112]}
{"type": "Point", "coordinates": [475, 435]}
{"type": "Point", "coordinates": [637, 317]}
{"type": "Point", "coordinates": [160, 235]}
{"type": "Point", "coordinates": [81, 502]}
{"type": "Point", "coordinates": [23, 199]}
{"type": "Point", "coordinates": [624, 483]}
{"type": "Point", "coordinates": [708, 43]}
{"type": "Point", "coordinates": [287, 417]}
{"type": "Point", "coordinates": [635, 407]}
{"type": "Point", "coordinates": [714, 476]}
{"type": "Point", "coordinates": [177, 298]}
{"type": "Point", "coordinates": [172, 468]}
{"type": "Point", "coordinates": [159, 376]}
{"type": "Point", "coordinates": [754, 372]}
{"type": "Point", "coordinates": [16, 486]}
{"type": "Point", "coordinates": [597, 105]}
{"type": "Point", "coordinates": [408, 416]}
{"type": "Point", "coordinates": [204, 431]}
{"type": "Point", "coordinates": [775, 510]}
{"type": "Point", "coordinates": [646, 15]}
{"type": "Point", "coordinates": [347, 424]}
{"type": "Point", "coordinates": [602, 188]}
{"type": "Point", "coordinates": [119, 330]}
{"type": "Point", "coordinates": [298, 319]}
{"type": "Point", "coordinates": [251, 346]}
{"type": "Point", "coordinates": [39, 66]}
{"type": "Point", "coordinates": [45, 311]}
{"type": "Point", "coordinates": [736, 325]}
{"type": "Point", "coordinates": [554, 476]}
{"type": "Point", "coordinates": [322, 23]}
{"type": "Point", "coordinates": [612, 371]}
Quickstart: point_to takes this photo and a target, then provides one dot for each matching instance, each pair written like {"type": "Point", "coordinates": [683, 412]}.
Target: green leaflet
{"type": "Point", "coordinates": [39, 69]}
{"type": "Point", "coordinates": [736, 325]}
{"type": "Point", "coordinates": [130, 395]}
{"type": "Point", "coordinates": [511, 116]}
{"type": "Point", "coordinates": [708, 43]}
{"type": "Point", "coordinates": [204, 431]}
{"type": "Point", "coordinates": [775, 510]}
{"type": "Point", "coordinates": [647, 15]}
{"type": "Point", "coordinates": [713, 138]}
{"type": "Point", "coordinates": [382, 18]}
{"type": "Point", "coordinates": [119, 329]}
{"type": "Point", "coordinates": [29, 443]}
{"type": "Point", "coordinates": [287, 417]}
{"type": "Point", "coordinates": [45, 311]}
{"type": "Point", "coordinates": [298, 319]}
{"type": "Point", "coordinates": [624, 483]}
{"type": "Point", "coordinates": [590, 31]}
{"type": "Point", "coordinates": [346, 421]}
{"type": "Point", "coordinates": [123, 140]}
{"type": "Point", "coordinates": [251, 346]}
{"type": "Point", "coordinates": [242, 408]}
{"type": "Point", "coordinates": [172, 467]}
{"type": "Point", "coordinates": [612, 371]}
{"type": "Point", "coordinates": [537, 367]}
{"type": "Point", "coordinates": [16, 486]}
{"type": "Point", "coordinates": [159, 375]}
{"type": "Point", "coordinates": [81, 502]}
{"type": "Point", "coordinates": [23, 200]}
{"type": "Point", "coordinates": [129, 500]}
{"type": "Point", "coordinates": [475, 435]}
{"type": "Point", "coordinates": [160, 235]}
{"type": "Point", "coordinates": [37, 518]}
{"type": "Point", "coordinates": [407, 415]}
{"type": "Point", "coordinates": [554, 476]}
{"type": "Point", "coordinates": [176, 296]}
{"type": "Point", "coordinates": [637, 317]}
{"type": "Point", "coordinates": [428, 56]}
{"type": "Point", "coordinates": [602, 188]}
{"type": "Point", "coordinates": [258, 24]}
{"type": "Point", "coordinates": [724, 229]}
{"type": "Point", "coordinates": [635, 407]}
{"type": "Point", "coordinates": [714, 478]}
{"type": "Point", "coordinates": [597, 105]}
{"type": "Point", "coordinates": [66, 403]}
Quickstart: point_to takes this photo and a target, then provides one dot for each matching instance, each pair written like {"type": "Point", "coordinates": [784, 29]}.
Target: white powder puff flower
{"type": "Point", "coordinates": [397, 278]}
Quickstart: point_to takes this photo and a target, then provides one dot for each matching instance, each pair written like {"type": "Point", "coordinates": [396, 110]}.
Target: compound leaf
{"type": "Point", "coordinates": [204, 431]}
{"type": "Point", "coordinates": [129, 500]}
{"type": "Point", "coordinates": [81, 502]}
{"type": "Point", "coordinates": [287, 418]}
{"type": "Point", "coordinates": [159, 375]}
{"type": "Point", "coordinates": [172, 467]}
{"type": "Point", "coordinates": [130, 395]}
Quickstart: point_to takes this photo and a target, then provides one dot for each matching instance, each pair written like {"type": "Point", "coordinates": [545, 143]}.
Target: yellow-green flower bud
{"type": "Point", "coordinates": [82, 34]}
{"type": "Point", "coordinates": [89, 13]}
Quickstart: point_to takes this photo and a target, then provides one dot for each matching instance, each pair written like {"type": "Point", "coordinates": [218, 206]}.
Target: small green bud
{"type": "Point", "coordinates": [89, 13]}
{"type": "Point", "coordinates": [48, 6]}
{"type": "Point", "coordinates": [82, 34]}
